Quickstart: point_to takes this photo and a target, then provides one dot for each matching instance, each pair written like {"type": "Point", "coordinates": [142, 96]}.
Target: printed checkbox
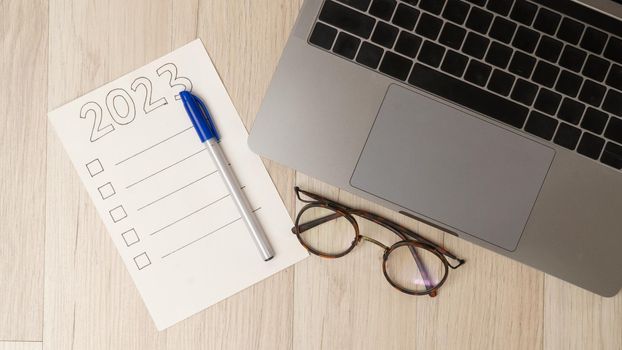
{"type": "Point", "coordinates": [94, 167]}
{"type": "Point", "coordinates": [106, 191]}
{"type": "Point", "coordinates": [117, 214]}
{"type": "Point", "coordinates": [142, 261]}
{"type": "Point", "coordinates": [130, 237]}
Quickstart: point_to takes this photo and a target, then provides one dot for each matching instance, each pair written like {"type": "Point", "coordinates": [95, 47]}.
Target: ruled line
{"type": "Point", "coordinates": [177, 190]}
{"type": "Point", "coordinates": [200, 238]}
{"type": "Point", "coordinates": [152, 146]}
{"type": "Point", "coordinates": [188, 215]}
{"type": "Point", "coordinates": [168, 167]}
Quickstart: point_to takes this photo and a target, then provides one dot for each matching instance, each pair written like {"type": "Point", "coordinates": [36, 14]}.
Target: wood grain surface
{"type": "Point", "coordinates": [31, 345]}
{"type": "Point", "coordinates": [63, 285]}
{"type": "Point", "coordinates": [23, 106]}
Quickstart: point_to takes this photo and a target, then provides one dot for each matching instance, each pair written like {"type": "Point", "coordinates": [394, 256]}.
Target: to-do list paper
{"type": "Point", "coordinates": [159, 193]}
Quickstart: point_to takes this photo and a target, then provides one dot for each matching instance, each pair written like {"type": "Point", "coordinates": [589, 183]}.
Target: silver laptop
{"type": "Point", "coordinates": [499, 121]}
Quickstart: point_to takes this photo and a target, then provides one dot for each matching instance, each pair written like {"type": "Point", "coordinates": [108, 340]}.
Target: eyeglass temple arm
{"type": "Point", "coordinates": [314, 223]}
{"type": "Point", "coordinates": [313, 196]}
{"type": "Point", "coordinates": [422, 269]}
{"type": "Point", "coordinates": [318, 198]}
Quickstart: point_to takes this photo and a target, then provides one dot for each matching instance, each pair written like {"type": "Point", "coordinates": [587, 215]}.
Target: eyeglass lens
{"type": "Point", "coordinates": [330, 239]}
{"type": "Point", "coordinates": [417, 274]}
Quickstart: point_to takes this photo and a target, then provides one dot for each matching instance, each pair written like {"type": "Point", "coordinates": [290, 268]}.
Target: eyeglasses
{"type": "Point", "coordinates": [414, 265]}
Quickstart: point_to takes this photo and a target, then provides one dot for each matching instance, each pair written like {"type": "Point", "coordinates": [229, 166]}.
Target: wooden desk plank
{"type": "Point", "coordinates": [493, 303]}
{"type": "Point", "coordinates": [91, 302]}
{"type": "Point", "coordinates": [23, 53]}
{"type": "Point", "coordinates": [32, 345]}
{"type": "Point", "coordinates": [577, 319]}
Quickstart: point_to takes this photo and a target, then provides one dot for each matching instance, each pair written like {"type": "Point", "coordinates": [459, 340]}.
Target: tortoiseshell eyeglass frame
{"type": "Point", "coordinates": [408, 237]}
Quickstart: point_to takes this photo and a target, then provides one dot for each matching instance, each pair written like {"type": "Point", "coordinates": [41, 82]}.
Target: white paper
{"type": "Point", "coordinates": [158, 192]}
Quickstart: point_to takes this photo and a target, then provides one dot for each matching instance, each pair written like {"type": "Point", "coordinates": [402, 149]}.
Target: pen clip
{"type": "Point", "coordinates": [208, 118]}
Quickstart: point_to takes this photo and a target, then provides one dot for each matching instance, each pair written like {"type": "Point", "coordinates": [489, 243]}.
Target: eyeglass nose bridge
{"type": "Point", "coordinates": [371, 240]}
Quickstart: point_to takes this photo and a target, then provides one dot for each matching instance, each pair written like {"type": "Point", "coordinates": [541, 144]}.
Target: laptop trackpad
{"type": "Point", "coordinates": [451, 167]}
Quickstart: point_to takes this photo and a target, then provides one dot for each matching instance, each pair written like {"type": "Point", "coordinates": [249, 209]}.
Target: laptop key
{"type": "Point", "coordinates": [549, 49]}
{"type": "Point", "coordinates": [540, 125]}
{"type": "Point", "coordinates": [596, 68]}
{"type": "Point", "coordinates": [612, 155]}
{"type": "Point", "coordinates": [456, 11]}
{"type": "Point", "coordinates": [547, 21]}
{"type": "Point", "coordinates": [613, 51]}
{"type": "Point", "coordinates": [478, 2]}
{"type": "Point", "coordinates": [570, 31]}
{"type": "Point", "coordinates": [568, 83]}
{"type": "Point", "coordinates": [501, 82]}
{"type": "Point", "coordinates": [590, 145]}
{"type": "Point", "coordinates": [346, 45]}
{"type": "Point", "coordinates": [614, 130]}
{"type": "Point", "coordinates": [433, 6]}
{"type": "Point", "coordinates": [614, 79]}
{"type": "Point", "coordinates": [468, 95]}
{"type": "Point", "coordinates": [479, 20]}
{"type": "Point", "coordinates": [369, 55]}
{"type": "Point", "coordinates": [475, 45]}
{"type": "Point", "coordinates": [547, 101]}
{"type": "Point", "coordinates": [408, 44]}
{"type": "Point", "coordinates": [429, 26]}
{"type": "Point", "coordinates": [499, 55]}
{"type": "Point", "coordinates": [594, 120]}
{"type": "Point", "coordinates": [452, 36]}
{"type": "Point", "coordinates": [323, 36]}
{"type": "Point", "coordinates": [524, 92]}
{"type": "Point", "coordinates": [613, 102]}
{"type": "Point", "coordinates": [571, 111]}
{"type": "Point", "coordinates": [478, 73]}
{"type": "Point", "coordinates": [502, 30]}
{"type": "Point", "coordinates": [406, 16]}
{"type": "Point", "coordinates": [454, 63]}
{"type": "Point", "coordinates": [395, 65]}
{"type": "Point", "coordinates": [523, 12]}
{"type": "Point", "coordinates": [594, 40]}
{"type": "Point", "coordinates": [572, 58]}
{"type": "Point", "coordinates": [383, 8]}
{"type": "Point", "coordinates": [522, 64]}
{"type": "Point", "coordinates": [545, 74]}
{"type": "Point", "coordinates": [592, 93]}
{"type": "Point", "coordinates": [385, 34]}
{"type": "Point", "coordinates": [431, 53]}
{"type": "Point", "coordinates": [358, 4]}
{"type": "Point", "coordinates": [567, 136]}
{"type": "Point", "coordinates": [501, 7]}
{"type": "Point", "coordinates": [347, 19]}
{"type": "Point", "coordinates": [526, 39]}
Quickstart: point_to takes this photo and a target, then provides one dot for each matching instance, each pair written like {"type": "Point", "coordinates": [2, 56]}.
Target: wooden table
{"type": "Point", "coordinates": [63, 286]}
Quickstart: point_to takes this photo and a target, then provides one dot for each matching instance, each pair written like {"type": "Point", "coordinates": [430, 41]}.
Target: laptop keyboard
{"type": "Point", "coordinates": [552, 68]}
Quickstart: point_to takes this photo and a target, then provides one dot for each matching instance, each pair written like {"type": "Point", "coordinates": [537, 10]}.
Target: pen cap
{"type": "Point", "coordinates": [199, 116]}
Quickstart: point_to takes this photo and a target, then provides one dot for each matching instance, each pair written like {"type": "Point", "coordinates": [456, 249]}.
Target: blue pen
{"type": "Point", "coordinates": [208, 134]}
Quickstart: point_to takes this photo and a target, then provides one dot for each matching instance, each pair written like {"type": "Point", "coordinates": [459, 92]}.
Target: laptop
{"type": "Point", "coordinates": [498, 121]}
